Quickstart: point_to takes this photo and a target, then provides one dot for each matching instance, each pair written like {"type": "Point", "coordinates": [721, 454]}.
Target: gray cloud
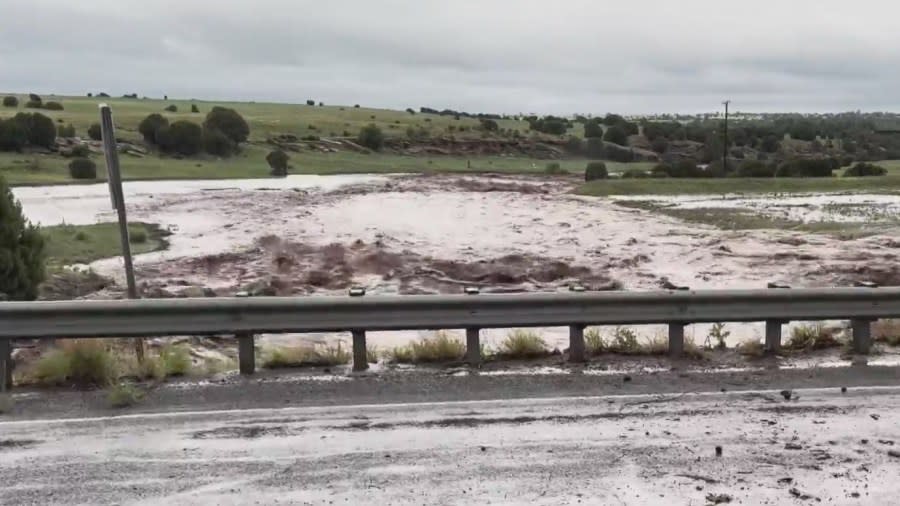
{"type": "Point", "coordinates": [490, 55]}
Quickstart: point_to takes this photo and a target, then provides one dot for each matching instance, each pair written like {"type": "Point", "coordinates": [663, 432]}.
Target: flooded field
{"type": "Point", "coordinates": [437, 234]}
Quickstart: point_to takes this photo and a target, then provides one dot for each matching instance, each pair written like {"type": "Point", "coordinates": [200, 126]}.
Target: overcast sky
{"type": "Point", "coordinates": [543, 56]}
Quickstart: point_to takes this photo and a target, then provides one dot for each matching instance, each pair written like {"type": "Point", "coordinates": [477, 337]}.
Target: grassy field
{"type": "Point", "coordinates": [82, 244]}
{"type": "Point", "coordinates": [886, 184]}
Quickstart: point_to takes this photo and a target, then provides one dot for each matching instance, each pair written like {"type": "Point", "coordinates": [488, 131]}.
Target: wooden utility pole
{"type": "Point", "coordinates": [725, 140]}
{"type": "Point", "coordinates": [117, 196]}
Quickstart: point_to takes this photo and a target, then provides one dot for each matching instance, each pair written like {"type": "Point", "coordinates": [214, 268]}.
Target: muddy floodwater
{"type": "Point", "coordinates": [307, 235]}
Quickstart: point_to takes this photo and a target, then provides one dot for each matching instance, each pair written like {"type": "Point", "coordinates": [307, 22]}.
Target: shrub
{"type": "Point", "coordinates": [805, 168]}
{"type": "Point", "coordinates": [756, 169]}
{"type": "Point", "coordinates": [593, 342]}
{"type": "Point", "coordinates": [751, 348]}
{"type": "Point", "coordinates": [554, 169]}
{"type": "Point", "coordinates": [10, 101]}
{"type": "Point", "coordinates": [887, 331]}
{"type": "Point", "coordinates": [719, 335]}
{"type": "Point", "coordinates": [53, 106]}
{"type": "Point", "coordinates": [811, 337]}
{"type": "Point", "coordinates": [616, 135]}
{"type": "Point", "coordinates": [182, 137]}
{"type": "Point", "coordinates": [770, 144]}
{"type": "Point", "coordinates": [618, 153]}
{"type": "Point", "coordinates": [311, 102]}
{"type": "Point", "coordinates": [137, 235]}
{"type": "Point", "coordinates": [217, 143]}
{"type": "Point", "coordinates": [123, 395]}
{"type": "Point", "coordinates": [22, 251]}
{"type": "Point", "coordinates": [489, 125]}
{"type": "Point", "coordinates": [442, 347]}
{"type": "Point", "coordinates": [660, 145]}
{"type": "Point", "coordinates": [635, 174]}
{"type": "Point", "coordinates": [81, 151]}
{"type": "Point", "coordinates": [574, 145]}
{"type": "Point", "coordinates": [13, 136]}
{"type": "Point", "coordinates": [863, 169]}
{"type": "Point", "coordinates": [371, 137]}
{"type": "Point", "coordinates": [83, 168]}
{"type": "Point", "coordinates": [593, 129]}
{"type": "Point", "coordinates": [31, 104]}
{"type": "Point", "coordinates": [176, 360]}
{"type": "Point", "coordinates": [229, 122]}
{"type": "Point", "coordinates": [624, 340]}
{"type": "Point", "coordinates": [595, 170]}
{"type": "Point", "coordinates": [95, 132]}
{"type": "Point", "coordinates": [171, 108]}
{"type": "Point", "coordinates": [152, 124]}
{"type": "Point", "coordinates": [595, 149]}
{"type": "Point", "coordinates": [278, 161]}
{"type": "Point", "coordinates": [66, 130]}
{"type": "Point", "coordinates": [194, 108]}
{"type": "Point", "coordinates": [84, 362]}
{"type": "Point", "coordinates": [39, 129]}
{"type": "Point", "coordinates": [522, 344]}
{"type": "Point", "coordinates": [302, 356]}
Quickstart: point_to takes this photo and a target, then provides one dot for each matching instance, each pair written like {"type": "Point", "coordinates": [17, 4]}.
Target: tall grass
{"type": "Point", "coordinates": [593, 341]}
{"type": "Point", "coordinates": [812, 337]}
{"type": "Point", "coordinates": [306, 356]}
{"type": "Point", "coordinates": [887, 332]}
{"type": "Point", "coordinates": [83, 362]}
{"type": "Point", "coordinates": [442, 347]}
{"type": "Point", "coordinates": [522, 344]}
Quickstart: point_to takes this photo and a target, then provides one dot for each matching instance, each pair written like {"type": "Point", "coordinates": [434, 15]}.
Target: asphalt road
{"type": "Point", "coordinates": [819, 445]}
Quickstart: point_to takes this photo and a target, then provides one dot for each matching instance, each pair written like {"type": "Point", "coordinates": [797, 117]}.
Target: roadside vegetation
{"type": "Point", "coordinates": [306, 356]}
{"type": "Point", "coordinates": [442, 347]}
{"type": "Point", "coordinates": [83, 244]}
{"type": "Point", "coordinates": [522, 345]}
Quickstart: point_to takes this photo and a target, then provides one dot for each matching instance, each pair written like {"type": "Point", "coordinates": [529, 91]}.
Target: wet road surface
{"type": "Point", "coordinates": [794, 447]}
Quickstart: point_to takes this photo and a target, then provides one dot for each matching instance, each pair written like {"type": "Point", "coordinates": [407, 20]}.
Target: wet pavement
{"type": "Point", "coordinates": [797, 447]}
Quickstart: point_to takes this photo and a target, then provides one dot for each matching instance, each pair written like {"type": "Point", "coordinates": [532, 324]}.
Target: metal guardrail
{"type": "Point", "coordinates": [244, 317]}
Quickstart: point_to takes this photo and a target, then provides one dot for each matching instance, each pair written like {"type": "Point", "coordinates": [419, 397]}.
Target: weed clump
{"type": "Point", "coordinates": [812, 337]}
{"type": "Point", "coordinates": [442, 347]}
{"type": "Point", "coordinates": [522, 344]}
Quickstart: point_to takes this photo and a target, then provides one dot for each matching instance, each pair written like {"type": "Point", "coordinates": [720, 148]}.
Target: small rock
{"type": "Point", "coordinates": [792, 446]}
{"type": "Point", "coordinates": [718, 451]}
{"type": "Point", "coordinates": [786, 394]}
{"type": "Point", "coordinates": [785, 481]}
{"type": "Point", "coordinates": [875, 417]}
{"type": "Point", "coordinates": [718, 498]}
{"type": "Point", "coordinates": [894, 453]}
{"type": "Point", "coordinates": [484, 448]}
{"type": "Point", "coordinates": [843, 390]}
{"type": "Point", "coordinates": [626, 379]}
{"type": "Point", "coordinates": [864, 441]}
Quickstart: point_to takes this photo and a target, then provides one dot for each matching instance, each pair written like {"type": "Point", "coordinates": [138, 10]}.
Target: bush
{"type": "Point", "coordinates": [618, 153]}
{"type": "Point", "coordinates": [81, 151]}
{"type": "Point", "coordinates": [489, 125]}
{"type": "Point", "coordinates": [595, 149]}
{"type": "Point", "coordinates": [863, 169]}
{"type": "Point", "coordinates": [593, 129]}
{"type": "Point", "coordinates": [682, 169]}
{"type": "Point", "coordinates": [554, 169]}
{"type": "Point", "coordinates": [13, 136]}
{"type": "Point", "coordinates": [182, 137]}
{"type": "Point", "coordinates": [769, 144]}
{"type": "Point", "coordinates": [311, 102]}
{"type": "Point", "coordinates": [84, 362]}
{"type": "Point", "coordinates": [39, 129]}
{"type": "Point", "coordinates": [194, 108]}
{"type": "Point", "coordinates": [660, 145]}
{"type": "Point", "coordinates": [805, 168]}
{"type": "Point", "coordinates": [229, 122]}
{"type": "Point", "coordinates": [123, 395]}
{"type": "Point", "coordinates": [152, 124]}
{"type": "Point", "coordinates": [176, 360]}
{"type": "Point", "coordinates": [10, 101]}
{"type": "Point", "coordinates": [522, 344]}
{"type": "Point", "coordinates": [171, 108]}
{"type": "Point", "coordinates": [137, 235]}
{"type": "Point", "coordinates": [443, 347]}
{"type": "Point", "coordinates": [21, 250]}
{"type": "Point", "coordinates": [34, 97]}
{"type": "Point", "coordinates": [574, 145]}
{"type": "Point", "coordinates": [31, 104]}
{"type": "Point", "coordinates": [83, 168]}
{"type": "Point", "coordinates": [53, 106]}
{"type": "Point", "coordinates": [218, 144]}
{"type": "Point", "coordinates": [756, 169]}
{"type": "Point", "coordinates": [278, 161]}
{"type": "Point", "coordinates": [616, 135]}
{"type": "Point", "coordinates": [635, 174]}
{"type": "Point", "coordinates": [595, 170]}
{"type": "Point", "coordinates": [66, 130]}
{"type": "Point", "coordinates": [371, 137]}
{"type": "Point", "coordinates": [95, 132]}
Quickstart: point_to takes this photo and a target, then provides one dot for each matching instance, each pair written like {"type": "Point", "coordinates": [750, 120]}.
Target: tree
{"type": "Point", "coordinates": [278, 161]}
{"type": "Point", "coordinates": [660, 145]}
{"type": "Point", "coordinates": [595, 149]}
{"type": "Point", "coordinates": [616, 135]}
{"type": "Point", "coordinates": [39, 129]}
{"type": "Point", "coordinates": [182, 137]}
{"type": "Point", "coordinates": [217, 143]}
{"type": "Point", "coordinates": [10, 101]}
{"type": "Point", "coordinates": [229, 122]}
{"type": "Point", "coordinates": [595, 170]}
{"type": "Point", "coordinates": [311, 103]}
{"type": "Point", "coordinates": [593, 129]}
{"type": "Point", "coordinates": [35, 98]}
{"type": "Point", "coordinates": [13, 136]}
{"type": "Point", "coordinates": [489, 125]}
{"type": "Point", "coordinates": [82, 168]}
{"type": "Point", "coordinates": [53, 106]}
{"type": "Point", "coordinates": [150, 125]}
{"type": "Point", "coordinates": [371, 137]}
{"type": "Point", "coordinates": [172, 108]}
{"type": "Point", "coordinates": [95, 132]}
{"type": "Point", "coordinates": [194, 108]}
{"type": "Point", "coordinates": [21, 251]}
{"type": "Point", "coordinates": [769, 144]}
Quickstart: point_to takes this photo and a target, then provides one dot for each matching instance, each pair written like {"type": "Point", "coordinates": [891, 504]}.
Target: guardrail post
{"type": "Point", "coordinates": [773, 336]}
{"type": "Point", "coordinates": [6, 364]}
{"type": "Point", "coordinates": [773, 327]}
{"type": "Point", "coordinates": [360, 357]}
{"type": "Point", "coordinates": [473, 346]}
{"type": "Point", "coordinates": [676, 340]}
{"type": "Point", "coordinates": [862, 336]}
{"type": "Point", "coordinates": [862, 328]}
{"type": "Point", "coordinates": [246, 354]}
{"type": "Point", "coordinates": [576, 343]}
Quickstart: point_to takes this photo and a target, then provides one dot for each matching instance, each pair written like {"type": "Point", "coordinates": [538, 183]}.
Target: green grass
{"type": "Point", "coordinates": [442, 347]}
{"type": "Point", "coordinates": [886, 184]}
{"type": "Point", "coordinates": [175, 360]}
{"type": "Point", "coordinates": [306, 356]}
{"type": "Point", "coordinates": [82, 244]}
{"type": "Point", "coordinates": [83, 362]}
{"type": "Point", "coordinates": [522, 344]}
